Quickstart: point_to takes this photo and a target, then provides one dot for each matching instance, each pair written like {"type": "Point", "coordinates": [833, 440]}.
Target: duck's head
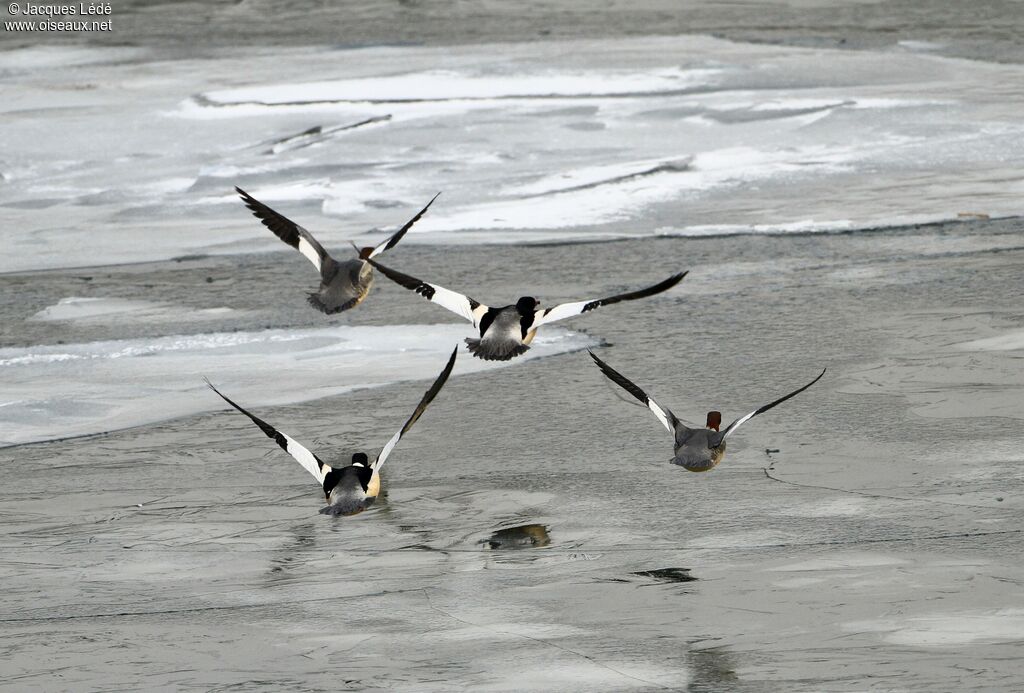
{"type": "Point", "coordinates": [527, 304]}
{"type": "Point", "coordinates": [364, 253]}
{"type": "Point", "coordinates": [714, 419]}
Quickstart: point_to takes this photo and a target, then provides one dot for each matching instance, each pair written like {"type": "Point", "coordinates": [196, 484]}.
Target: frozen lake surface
{"type": "Point", "coordinates": [553, 141]}
{"type": "Point", "coordinates": [534, 535]}
{"type": "Point", "coordinates": [855, 209]}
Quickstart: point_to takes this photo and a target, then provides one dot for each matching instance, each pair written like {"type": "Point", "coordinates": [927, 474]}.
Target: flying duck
{"type": "Point", "coordinates": [696, 449]}
{"type": "Point", "coordinates": [352, 488]}
{"type": "Point", "coordinates": [506, 332]}
{"type": "Point", "coordinates": [344, 284]}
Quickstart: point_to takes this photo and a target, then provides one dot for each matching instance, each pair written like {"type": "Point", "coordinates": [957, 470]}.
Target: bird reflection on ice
{"type": "Point", "coordinates": [521, 537]}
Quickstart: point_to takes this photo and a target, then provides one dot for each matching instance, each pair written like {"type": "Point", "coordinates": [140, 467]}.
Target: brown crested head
{"type": "Point", "coordinates": [714, 419]}
{"type": "Point", "coordinates": [364, 253]}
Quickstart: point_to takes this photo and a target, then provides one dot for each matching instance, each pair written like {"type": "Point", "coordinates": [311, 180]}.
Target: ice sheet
{"type": "Point", "coordinates": [1010, 341]}
{"type": "Point", "coordinates": [445, 85]}
{"type": "Point", "coordinates": [74, 389]}
{"type": "Point", "coordinates": [557, 140]}
{"type": "Point", "coordinates": [949, 629]}
{"type": "Point", "coordinates": [97, 309]}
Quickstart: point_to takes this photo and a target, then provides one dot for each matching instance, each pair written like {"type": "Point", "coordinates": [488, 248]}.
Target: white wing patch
{"type": "Point", "coordinates": [663, 417]}
{"type": "Point", "coordinates": [559, 312]}
{"type": "Point", "coordinates": [311, 253]}
{"type": "Point", "coordinates": [446, 298]}
{"type": "Point", "coordinates": [478, 313]}
{"type": "Point", "coordinates": [455, 302]}
{"type": "Point", "coordinates": [386, 450]}
{"type": "Point", "coordinates": [310, 462]}
{"type": "Point", "coordinates": [304, 457]}
{"type": "Point", "coordinates": [737, 423]}
{"type": "Point", "coordinates": [666, 417]}
{"type": "Point", "coordinates": [568, 310]}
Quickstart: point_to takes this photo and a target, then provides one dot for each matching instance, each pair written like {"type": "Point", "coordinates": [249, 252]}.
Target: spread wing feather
{"type": "Point", "coordinates": [455, 302]}
{"type": "Point", "coordinates": [312, 464]}
{"type": "Point", "coordinates": [743, 419]}
{"type": "Point", "coordinates": [287, 230]}
{"type": "Point", "coordinates": [428, 397]}
{"type": "Point", "coordinates": [397, 236]}
{"type": "Point", "coordinates": [665, 416]}
{"type": "Point", "coordinates": [568, 310]}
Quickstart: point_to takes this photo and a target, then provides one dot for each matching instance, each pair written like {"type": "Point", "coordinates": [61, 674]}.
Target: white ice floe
{"type": "Point", "coordinates": [943, 630]}
{"type": "Point", "coordinates": [617, 193]}
{"type": "Point", "coordinates": [443, 85]}
{"type": "Point", "coordinates": [105, 310]}
{"type": "Point", "coordinates": [841, 561]}
{"type": "Point", "coordinates": [74, 389]}
{"type": "Point", "coordinates": [1010, 341]}
{"type": "Point", "coordinates": [55, 56]}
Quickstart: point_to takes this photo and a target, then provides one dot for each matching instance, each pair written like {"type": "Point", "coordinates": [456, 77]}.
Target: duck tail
{"type": "Point", "coordinates": [314, 300]}
{"type": "Point", "coordinates": [495, 351]}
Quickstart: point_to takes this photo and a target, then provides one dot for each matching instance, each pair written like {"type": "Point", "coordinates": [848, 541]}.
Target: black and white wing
{"type": "Point", "coordinates": [397, 236]}
{"type": "Point", "coordinates": [743, 419]}
{"type": "Point", "coordinates": [455, 302]}
{"type": "Point", "coordinates": [428, 397]}
{"type": "Point", "coordinates": [665, 416]}
{"type": "Point", "coordinates": [313, 464]}
{"type": "Point", "coordinates": [288, 231]}
{"type": "Point", "coordinates": [568, 310]}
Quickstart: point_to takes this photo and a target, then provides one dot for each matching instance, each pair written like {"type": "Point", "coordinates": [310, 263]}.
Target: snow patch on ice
{"type": "Point", "coordinates": [1010, 341]}
{"type": "Point", "coordinates": [75, 389]}
{"type": "Point", "coordinates": [93, 310]}
{"type": "Point", "coordinates": [782, 139]}
{"type": "Point", "coordinates": [438, 85]}
{"type": "Point", "coordinates": [948, 630]}
{"type": "Point", "coordinates": [841, 562]}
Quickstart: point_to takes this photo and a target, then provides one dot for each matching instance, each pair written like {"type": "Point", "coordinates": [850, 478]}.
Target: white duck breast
{"type": "Point", "coordinates": [344, 284]}
{"type": "Point", "coordinates": [351, 488]}
{"type": "Point", "coordinates": [506, 332]}
{"type": "Point", "coordinates": [696, 449]}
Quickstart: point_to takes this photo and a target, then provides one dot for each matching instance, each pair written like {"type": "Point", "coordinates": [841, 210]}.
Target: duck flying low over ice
{"type": "Point", "coordinates": [343, 284]}
{"type": "Point", "coordinates": [351, 488]}
{"type": "Point", "coordinates": [506, 332]}
{"type": "Point", "coordinates": [696, 449]}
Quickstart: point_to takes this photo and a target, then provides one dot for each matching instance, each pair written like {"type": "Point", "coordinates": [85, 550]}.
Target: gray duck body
{"type": "Point", "coordinates": [698, 449]}
{"type": "Point", "coordinates": [343, 285]}
{"type": "Point", "coordinates": [350, 490]}
{"type": "Point", "coordinates": [504, 334]}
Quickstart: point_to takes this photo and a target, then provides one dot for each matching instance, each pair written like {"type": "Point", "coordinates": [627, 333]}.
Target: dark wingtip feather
{"type": "Point", "coordinates": [619, 379]}
{"type": "Point", "coordinates": [399, 278]}
{"type": "Point", "coordinates": [250, 201]}
{"type": "Point", "coordinates": [782, 399]}
{"type": "Point", "coordinates": [393, 241]}
{"type": "Point", "coordinates": [430, 394]}
{"type": "Point", "coordinates": [671, 281]}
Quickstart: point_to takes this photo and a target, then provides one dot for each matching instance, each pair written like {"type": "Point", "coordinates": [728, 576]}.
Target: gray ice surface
{"type": "Point", "coordinates": [533, 536]}
{"type": "Point", "coordinates": [876, 550]}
